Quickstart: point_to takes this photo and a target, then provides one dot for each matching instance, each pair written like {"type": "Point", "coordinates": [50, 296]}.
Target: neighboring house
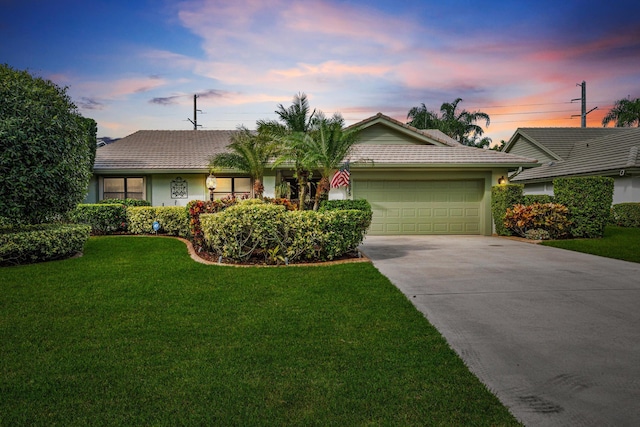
{"type": "Point", "coordinates": [417, 181]}
{"type": "Point", "coordinates": [565, 152]}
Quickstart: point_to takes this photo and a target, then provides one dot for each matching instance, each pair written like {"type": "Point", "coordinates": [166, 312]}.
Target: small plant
{"type": "Point", "coordinates": [537, 234]}
{"type": "Point", "coordinates": [550, 217]}
{"type": "Point", "coordinates": [275, 256]}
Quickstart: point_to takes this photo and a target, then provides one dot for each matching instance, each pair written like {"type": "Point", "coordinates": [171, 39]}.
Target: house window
{"type": "Point", "coordinates": [123, 188]}
{"type": "Point", "coordinates": [232, 186]}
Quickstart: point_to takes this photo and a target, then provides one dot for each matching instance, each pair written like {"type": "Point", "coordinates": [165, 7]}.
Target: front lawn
{"type": "Point", "coordinates": [618, 242]}
{"type": "Point", "coordinates": [136, 333]}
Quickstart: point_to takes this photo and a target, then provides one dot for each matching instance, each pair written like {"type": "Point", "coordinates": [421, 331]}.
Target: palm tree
{"type": "Point", "coordinates": [625, 113]}
{"type": "Point", "coordinates": [325, 147]}
{"type": "Point", "coordinates": [460, 126]}
{"type": "Point", "coordinates": [294, 126]}
{"type": "Point", "coordinates": [249, 153]}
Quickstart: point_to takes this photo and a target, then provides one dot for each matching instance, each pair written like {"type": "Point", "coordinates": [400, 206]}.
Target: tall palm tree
{"type": "Point", "coordinates": [326, 146]}
{"type": "Point", "coordinates": [625, 113]}
{"type": "Point", "coordinates": [294, 125]}
{"type": "Point", "coordinates": [249, 153]}
{"type": "Point", "coordinates": [460, 126]}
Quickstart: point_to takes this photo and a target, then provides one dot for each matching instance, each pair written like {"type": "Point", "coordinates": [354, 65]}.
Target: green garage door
{"type": "Point", "coordinates": [423, 207]}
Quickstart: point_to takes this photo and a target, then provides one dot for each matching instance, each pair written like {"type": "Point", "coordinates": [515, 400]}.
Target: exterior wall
{"type": "Point", "coordinates": [380, 134]}
{"type": "Point", "coordinates": [161, 194]}
{"type": "Point", "coordinates": [539, 188]}
{"type": "Point", "coordinates": [523, 147]}
{"type": "Point", "coordinates": [92, 191]}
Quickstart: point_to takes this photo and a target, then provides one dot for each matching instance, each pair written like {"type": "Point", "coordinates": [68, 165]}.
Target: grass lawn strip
{"type": "Point", "coordinates": [136, 333]}
{"type": "Point", "coordinates": [618, 242]}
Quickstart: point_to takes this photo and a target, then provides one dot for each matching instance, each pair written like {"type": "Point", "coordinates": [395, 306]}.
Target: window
{"type": "Point", "coordinates": [123, 188]}
{"type": "Point", "coordinates": [232, 186]}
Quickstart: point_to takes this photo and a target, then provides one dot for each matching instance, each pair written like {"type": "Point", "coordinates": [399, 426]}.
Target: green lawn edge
{"type": "Point", "coordinates": [618, 243]}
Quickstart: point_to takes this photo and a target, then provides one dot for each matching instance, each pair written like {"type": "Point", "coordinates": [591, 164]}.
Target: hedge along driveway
{"type": "Point", "coordinates": [136, 333]}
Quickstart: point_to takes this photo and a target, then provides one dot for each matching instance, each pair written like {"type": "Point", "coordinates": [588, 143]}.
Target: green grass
{"type": "Point", "coordinates": [136, 333]}
{"type": "Point", "coordinates": [618, 242]}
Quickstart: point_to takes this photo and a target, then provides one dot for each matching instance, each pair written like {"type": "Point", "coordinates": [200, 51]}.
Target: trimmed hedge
{"type": "Point", "coordinates": [174, 220]}
{"type": "Point", "coordinates": [626, 214]}
{"type": "Point", "coordinates": [504, 197]}
{"type": "Point", "coordinates": [38, 243]}
{"type": "Point", "coordinates": [273, 234]}
{"type": "Point", "coordinates": [358, 204]}
{"type": "Point", "coordinates": [530, 199]}
{"type": "Point", "coordinates": [589, 201]}
{"type": "Point", "coordinates": [126, 202]}
{"type": "Point", "coordinates": [103, 218]}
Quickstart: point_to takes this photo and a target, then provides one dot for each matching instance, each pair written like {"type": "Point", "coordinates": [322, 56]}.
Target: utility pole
{"type": "Point", "coordinates": [195, 113]}
{"type": "Point", "coordinates": [583, 98]}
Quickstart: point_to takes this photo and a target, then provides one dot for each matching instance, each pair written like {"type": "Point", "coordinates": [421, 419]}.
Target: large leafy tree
{"type": "Point", "coordinates": [325, 147]}
{"type": "Point", "coordinates": [46, 149]}
{"type": "Point", "coordinates": [249, 152]}
{"type": "Point", "coordinates": [459, 125]}
{"type": "Point", "coordinates": [293, 126]}
{"type": "Point", "coordinates": [625, 112]}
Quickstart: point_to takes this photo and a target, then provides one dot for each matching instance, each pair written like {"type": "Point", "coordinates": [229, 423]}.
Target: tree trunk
{"type": "Point", "coordinates": [302, 187]}
{"type": "Point", "coordinates": [322, 192]}
{"type": "Point", "coordinates": [258, 188]}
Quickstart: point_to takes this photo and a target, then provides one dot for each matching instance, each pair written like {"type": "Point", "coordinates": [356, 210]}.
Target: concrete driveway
{"type": "Point", "coordinates": [554, 334]}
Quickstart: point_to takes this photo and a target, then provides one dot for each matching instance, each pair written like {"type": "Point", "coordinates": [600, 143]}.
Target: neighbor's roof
{"type": "Point", "coordinates": [580, 151]}
{"type": "Point", "coordinates": [405, 155]}
{"type": "Point", "coordinates": [163, 150]}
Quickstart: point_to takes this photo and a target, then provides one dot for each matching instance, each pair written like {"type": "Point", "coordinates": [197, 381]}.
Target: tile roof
{"type": "Point", "coordinates": [603, 151]}
{"type": "Point", "coordinates": [387, 155]}
{"type": "Point", "coordinates": [163, 149]}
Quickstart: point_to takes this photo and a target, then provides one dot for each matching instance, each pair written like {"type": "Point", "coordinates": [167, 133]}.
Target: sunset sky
{"type": "Point", "coordinates": [134, 65]}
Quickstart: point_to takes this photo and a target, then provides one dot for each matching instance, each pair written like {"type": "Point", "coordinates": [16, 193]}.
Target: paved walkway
{"type": "Point", "coordinates": [554, 334]}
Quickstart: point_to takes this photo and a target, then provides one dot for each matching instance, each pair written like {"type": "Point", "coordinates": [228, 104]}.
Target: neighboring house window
{"type": "Point", "coordinates": [123, 188]}
{"type": "Point", "coordinates": [232, 186]}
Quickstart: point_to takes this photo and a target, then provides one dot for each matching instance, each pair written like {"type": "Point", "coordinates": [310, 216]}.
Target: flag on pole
{"type": "Point", "coordinates": [342, 178]}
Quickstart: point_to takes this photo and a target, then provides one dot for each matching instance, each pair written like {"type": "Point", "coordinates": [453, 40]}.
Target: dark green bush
{"type": "Point", "coordinates": [626, 214]}
{"type": "Point", "coordinates": [589, 201]}
{"type": "Point", "coordinates": [126, 202]}
{"type": "Point", "coordinates": [103, 218]}
{"type": "Point", "coordinates": [38, 243]}
{"type": "Point", "coordinates": [359, 204]}
{"type": "Point", "coordinates": [504, 197]}
{"type": "Point", "coordinates": [530, 199]}
{"type": "Point", "coordinates": [173, 220]}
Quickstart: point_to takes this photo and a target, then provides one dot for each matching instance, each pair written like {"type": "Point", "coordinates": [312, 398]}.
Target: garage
{"type": "Point", "coordinates": [423, 207]}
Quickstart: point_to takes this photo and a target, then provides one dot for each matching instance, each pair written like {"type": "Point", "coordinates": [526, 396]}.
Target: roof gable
{"type": "Point", "coordinates": [382, 129]}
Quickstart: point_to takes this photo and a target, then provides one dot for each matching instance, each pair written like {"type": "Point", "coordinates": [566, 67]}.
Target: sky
{"type": "Point", "coordinates": [133, 65]}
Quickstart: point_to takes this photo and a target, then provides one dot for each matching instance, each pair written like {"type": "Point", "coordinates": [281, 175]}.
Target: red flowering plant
{"type": "Point", "coordinates": [199, 207]}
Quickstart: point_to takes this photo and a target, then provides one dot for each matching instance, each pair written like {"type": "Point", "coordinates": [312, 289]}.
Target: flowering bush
{"type": "Point", "coordinates": [550, 217]}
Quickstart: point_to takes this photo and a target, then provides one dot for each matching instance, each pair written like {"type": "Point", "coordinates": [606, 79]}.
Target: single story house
{"type": "Point", "coordinates": [566, 152]}
{"type": "Point", "coordinates": [417, 181]}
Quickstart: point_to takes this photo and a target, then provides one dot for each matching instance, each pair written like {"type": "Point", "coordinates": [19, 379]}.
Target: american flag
{"type": "Point", "coordinates": [341, 178]}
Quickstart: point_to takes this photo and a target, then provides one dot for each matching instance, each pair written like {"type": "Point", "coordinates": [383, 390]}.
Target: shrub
{"type": "Point", "coordinates": [103, 218]}
{"type": "Point", "coordinates": [359, 204]}
{"type": "Point", "coordinates": [39, 243]}
{"type": "Point", "coordinates": [173, 220]}
{"type": "Point", "coordinates": [589, 201]}
{"type": "Point", "coordinates": [551, 218]}
{"type": "Point", "coordinates": [126, 202]}
{"type": "Point", "coordinates": [269, 231]}
{"type": "Point", "coordinates": [504, 197]}
{"type": "Point", "coordinates": [288, 204]}
{"type": "Point", "coordinates": [245, 230]}
{"type": "Point", "coordinates": [195, 208]}
{"type": "Point", "coordinates": [537, 234]}
{"type": "Point", "coordinates": [626, 214]}
{"type": "Point", "coordinates": [44, 139]}
{"type": "Point", "coordinates": [530, 199]}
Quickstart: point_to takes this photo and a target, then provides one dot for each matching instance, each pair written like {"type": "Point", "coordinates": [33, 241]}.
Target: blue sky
{"type": "Point", "coordinates": [134, 65]}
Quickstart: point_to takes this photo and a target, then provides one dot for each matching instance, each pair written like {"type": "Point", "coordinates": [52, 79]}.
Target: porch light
{"type": "Point", "coordinates": [211, 183]}
{"type": "Point", "coordinates": [501, 180]}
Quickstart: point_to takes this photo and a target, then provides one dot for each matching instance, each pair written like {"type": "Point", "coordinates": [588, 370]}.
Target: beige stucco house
{"type": "Point", "coordinates": [566, 152]}
{"type": "Point", "coordinates": [417, 181]}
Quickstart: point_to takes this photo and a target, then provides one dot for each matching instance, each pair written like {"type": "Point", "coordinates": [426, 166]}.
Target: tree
{"type": "Point", "coordinates": [460, 126]}
{"type": "Point", "coordinates": [46, 149]}
{"type": "Point", "coordinates": [326, 146]}
{"type": "Point", "coordinates": [250, 152]}
{"type": "Point", "coordinates": [625, 113]}
{"type": "Point", "coordinates": [294, 125]}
